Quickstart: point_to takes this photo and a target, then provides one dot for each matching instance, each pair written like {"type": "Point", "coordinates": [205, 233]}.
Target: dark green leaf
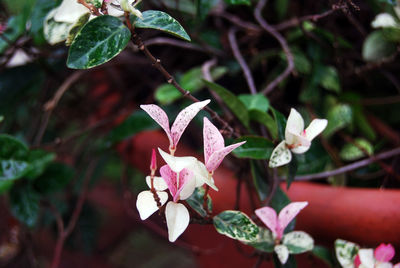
{"type": "Point", "coordinates": [255, 102]}
{"type": "Point", "coordinates": [265, 241]}
{"type": "Point", "coordinates": [338, 117]}
{"type": "Point", "coordinates": [236, 225]}
{"type": "Point", "coordinates": [352, 151]}
{"type": "Point", "coordinates": [324, 254]}
{"type": "Point", "coordinates": [15, 28]}
{"type": "Point", "coordinates": [281, 8]}
{"type": "Point", "coordinates": [254, 148]}
{"type": "Point", "coordinates": [204, 7]}
{"type": "Point", "coordinates": [314, 161]}
{"type": "Point", "coordinates": [328, 77]}
{"type": "Point", "coordinates": [24, 203]}
{"type": "Point", "coordinates": [292, 170]}
{"type": "Point", "coordinates": [13, 158]}
{"type": "Point", "coordinates": [362, 123]}
{"type": "Point", "coordinates": [5, 186]}
{"type": "Point", "coordinates": [135, 123]}
{"type": "Point", "coordinates": [266, 120]}
{"type": "Point", "coordinates": [280, 120]}
{"type": "Point", "coordinates": [260, 179]}
{"type": "Point", "coordinates": [100, 40]}
{"type": "Point", "coordinates": [39, 12]}
{"type": "Point", "coordinates": [238, 2]}
{"type": "Point", "coordinates": [38, 161]}
{"type": "Point", "coordinates": [154, 19]}
{"type": "Point", "coordinates": [301, 62]}
{"type": "Point", "coordinates": [55, 178]}
{"type": "Point", "coordinates": [196, 201]}
{"type": "Point", "coordinates": [291, 262]}
{"type": "Point", "coordinates": [233, 103]}
{"type": "Point", "coordinates": [376, 47]}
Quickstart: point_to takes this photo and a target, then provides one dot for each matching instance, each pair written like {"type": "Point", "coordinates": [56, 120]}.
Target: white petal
{"type": "Point", "coordinates": [367, 257]}
{"type": "Point", "coordinates": [146, 205]}
{"type": "Point", "coordinates": [299, 145]}
{"type": "Point", "coordinates": [70, 11]}
{"type": "Point", "coordinates": [188, 189]}
{"type": "Point", "coordinates": [201, 175]}
{"type": "Point", "coordinates": [280, 156]}
{"type": "Point", "coordinates": [315, 128]}
{"type": "Point", "coordinates": [158, 182]}
{"type": "Point", "coordinates": [177, 163]}
{"type": "Point", "coordinates": [282, 252]}
{"type": "Point", "coordinates": [384, 265]}
{"type": "Point", "coordinates": [300, 149]}
{"type": "Point", "coordinates": [18, 58]}
{"type": "Point", "coordinates": [177, 217]}
{"type": "Point", "coordinates": [384, 20]}
{"type": "Point", "coordinates": [113, 11]}
{"type": "Point", "coordinates": [294, 125]}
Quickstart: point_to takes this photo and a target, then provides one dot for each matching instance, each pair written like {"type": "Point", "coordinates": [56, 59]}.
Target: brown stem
{"type": "Point", "coordinates": [205, 199]}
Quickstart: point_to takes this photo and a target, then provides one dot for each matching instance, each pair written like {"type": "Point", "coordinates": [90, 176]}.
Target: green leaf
{"type": "Point", "coordinates": [260, 181]}
{"type": "Point", "coordinates": [266, 120]}
{"type": "Point", "coordinates": [338, 117]}
{"type": "Point", "coordinates": [154, 19]}
{"type": "Point", "coordinates": [298, 242]}
{"type": "Point", "coordinates": [54, 31]}
{"type": "Point", "coordinates": [100, 40]}
{"type": "Point", "coordinates": [345, 252]}
{"type": "Point", "coordinates": [301, 62]}
{"type": "Point", "coordinates": [204, 7]}
{"type": "Point", "coordinates": [13, 158]}
{"type": "Point", "coordinates": [55, 178]}
{"type": "Point", "coordinates": [255, 148]}
{"type": "Point", "coordinates": [38, 161]}
{"type": "Point", "coordinates": [264, 242]}
{"type": "Point", "coordinates": [236, 225]}
{"type": "Point", "coordinates": [190, 81]}
{"type": "Point", "coordinates": [362, 123]}
{"type": "Point", "coordinates": [291, 262]}
{"type": "Point", "coordinates": [391, 34]}
{"type": "Point", "coordinates": [328, 78]}
{"type": "Point", "coordinates": [15, 28]}
{"type": "Point", "coordinates": [233, 103]}
{"type": "Point", "coordinates": [255, 102]}
{"type": "Point", "coordinates": [376, 47]}
{"type": "Point", "coordinates": [135, 123]}
{"type": "Point", "coordinates": [76, 28]}
{"type": "Point", "coordinates": [96, 3]}
{"type": "Point", "coordinates": [1, 118]}
{"type": "Point", "coordinates": [238, 2]}
{"type": "Point", "coordinates": [324, 254]}
{"type": "Point", "coordinates": [281, 8]}
{"type": "Point", "coordinates": [5, 186]}
{"type": "Point", "coordinates": [352, 152]}
{"type": "Point", "coordinates": [24, 204]}
{"type": "Point", "coordinates": [280, 120]}
{"type": "Point", "coordinates": [39, 12]}
{"type": "Point", "coordinates": [196, 201]}
{"type": "Point", "coordinates": [292, 170]}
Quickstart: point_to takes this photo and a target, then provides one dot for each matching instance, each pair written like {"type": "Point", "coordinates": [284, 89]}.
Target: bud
{"type": "Point", "coordinates": [153, 164]}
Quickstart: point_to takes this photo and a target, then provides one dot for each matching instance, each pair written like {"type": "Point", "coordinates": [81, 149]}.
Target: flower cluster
{"type": "Point", "coordinates": [180, 175]}
{"type": "Point", "coordinates": [297, 139]}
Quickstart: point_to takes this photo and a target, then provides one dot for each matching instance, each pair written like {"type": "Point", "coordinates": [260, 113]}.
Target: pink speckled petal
{"type": "Point", "coordinates": [171, 179]}
{"type": "Point", "coordinates": [287, 214]}
{"type": "Point", "coordinates": [186, 185]}
{"type": "Point", "coordinates": [183, 119]}
{"type": "Point", "coordinates": [159, 116]}
{"type": "Point", "coordinates": [213, 140]}
{"type": "Point", "coordinates": [268, 216]}
{"type": "Point", "coordinates": [216, 158]}
{"type": "Point", "coordinates": [384, 253]}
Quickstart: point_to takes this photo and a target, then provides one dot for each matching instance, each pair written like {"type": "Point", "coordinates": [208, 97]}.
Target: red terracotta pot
{"type": "Point", "coordinates": [365, 216]}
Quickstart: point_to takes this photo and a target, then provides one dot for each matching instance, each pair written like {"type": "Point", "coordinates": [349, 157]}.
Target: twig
{"type": "Point", "coordinates": [89, 6]}
{"type": "Point", "coordinates": [349, 167]}
{"type": "Point", "coordinates": [237, 21]}
{"type": "Point", "coordinates": [240, 59]}
{"type": "Point", "coordinates": [170, 79]}
{"type": "Point", "coordinates": [289, 57]}
{"type": "Point", "coordinates": [51, 104]}
{"type": "Point", "coordinates": [63, 235]}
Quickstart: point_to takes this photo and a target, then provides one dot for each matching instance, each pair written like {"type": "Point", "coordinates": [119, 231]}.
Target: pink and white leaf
{"type": "Point", "coordinates": [268, 216]}
{"type": "Point", "coordinates": [287, 214]}
{"type": "Point", "coordinates": [70, 11]}
{"type": "Point", "coordinates": [280, 156]}
{"type": "Point", "coordinates": [384, 253]}
{"type": "Point", "coordinates": [202, 175]}
{"type": "Point", "coordinates": [367, 257]}
{"type": "Point", "coordinates": [213, 140]}
{"type": "Point", "coordinates": [183, 119]}
{"type": "Point", "coordinates": [177, 163]}
{"type": "Point", "coordinates": [146, 205]}
{"type": "Point", "coordinates": [294, 125]}
{"type": "Point", "coordinates": [315, 128]}
{"type": "Point", "coordinates": [282, 252]}
{"type": "Point", "coordinates": [186, 185]}
{"type": "Point", "coordinates": [216, 158]}
{"type": "Point", "coordinates": [300, 144]}
{"type": "Point", "coordinates": [158, 183]}
{"type": "Point", "coordinates": [159, 116]}
{"type": "Point", "coordinates": [177, 217]}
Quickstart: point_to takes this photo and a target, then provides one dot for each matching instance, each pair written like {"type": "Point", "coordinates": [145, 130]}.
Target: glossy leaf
{"type": "Point", "coordinates": [324, 254]}
{"type": "Point", "coordinates": [196, 201]}
{"type": "Point", "coordinates": [154, 19]}
{"type": "Point", "coordinates": [345, 252]}
{"type": "Point", "coordinates": [13, 158]}
{"type": "Point", "coordinates": [233, 102]}
{"type": "Point", "coordinates": [352, 152]}
{"type": "Point", "coordinates": [260, 180]}
{"type": "Point", "coordinates": [238, 2]}
{"type": "Point", "coordinates": [266, 120]}
{"type": "Point", "coordinates": [100, 40]}
{"type": "Point", "coordinates": [254, 148]}
{"type": "Point", "coordinates": [24, 204]}
{"type": "Point", "coordinates": [236, 225]}
{"type": "Point", "coordinates": [265, 241]}
{"type": "Point", "coordinates": [298, 242]}
{"type": "Point", "coordinates": [338, 117]}
{"type": "Point", "coordinates": [255, 102]}
{"type": "Point", "coordinates": [135, 123]}
{"type": "Point", "coordinates": [376, 47]}
{"type": "Point", "coordinates": [280, 120]}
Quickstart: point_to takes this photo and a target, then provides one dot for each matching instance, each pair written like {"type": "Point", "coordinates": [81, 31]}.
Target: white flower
{"type": "Point", "coordinates": [384, 20]}
{"type": "Point", "coordinates": [297, 139]}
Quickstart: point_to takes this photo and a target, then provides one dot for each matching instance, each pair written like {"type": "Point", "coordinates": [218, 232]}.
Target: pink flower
{"type": "Point", "coordinates": [378, 258]}
{"type": "Point", "coordinates": [384, 253]}
{"type": "Point", "coordinates": [277, 224]}
{"type": "Point", "coordinates": [214, 146]}
{"type": "Point", "coordinates": [181, 122]}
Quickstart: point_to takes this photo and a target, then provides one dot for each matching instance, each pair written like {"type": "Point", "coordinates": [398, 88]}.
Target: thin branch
{"type": "Point", "coordinates": [238, 56]}
{"type": "Point", "coordinates": [381, 101]}
{"type": "Point", "coordinates": [170, 79]}
{"type": "Point", "coordinates": [289, 57]}
{"type": "Point", "coordinates": [349, 167]}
